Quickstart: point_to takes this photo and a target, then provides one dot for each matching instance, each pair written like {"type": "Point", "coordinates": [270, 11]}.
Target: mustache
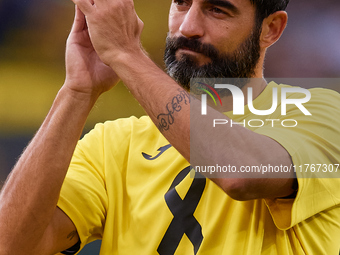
{"type": "Point", "coordinates": [193, 44]}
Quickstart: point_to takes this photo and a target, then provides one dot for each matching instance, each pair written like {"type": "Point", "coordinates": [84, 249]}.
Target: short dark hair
{"type": "Point", "coordinates": [264, 8]}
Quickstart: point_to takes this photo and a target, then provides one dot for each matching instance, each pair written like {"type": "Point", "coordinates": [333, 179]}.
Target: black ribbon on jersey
{"type": "Point", "coordinates": [73, 250]}
{"type": "Point", "coordinates": [184, 221]}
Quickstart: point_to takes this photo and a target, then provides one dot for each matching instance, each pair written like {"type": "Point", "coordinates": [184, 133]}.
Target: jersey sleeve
{"type": "Point", "coordinates": [83, 196]}
{"type": "Point", "coordinates": [314, 146]}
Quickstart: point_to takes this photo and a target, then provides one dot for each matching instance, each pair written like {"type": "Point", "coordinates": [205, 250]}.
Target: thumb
{"type": "Point", "coordinates": [79, 23]}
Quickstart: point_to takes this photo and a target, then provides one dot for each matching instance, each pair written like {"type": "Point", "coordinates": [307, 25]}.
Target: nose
{"type": "Point", "coordinates": [192, 25]}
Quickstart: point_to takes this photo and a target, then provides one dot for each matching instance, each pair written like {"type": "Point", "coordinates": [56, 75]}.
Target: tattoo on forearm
{"type": "Point", "coordinates": [175, 105]}
{"type": "Point", "coordinates": [72, 235]}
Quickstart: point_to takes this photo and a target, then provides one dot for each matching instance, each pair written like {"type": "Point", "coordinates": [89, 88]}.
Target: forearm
{"type": "Point", "coordinates": [28, 199]}
{"type": "Point", "coordinates": [238, 148]}
{"type": "Point", "coordinates": [166, 103]}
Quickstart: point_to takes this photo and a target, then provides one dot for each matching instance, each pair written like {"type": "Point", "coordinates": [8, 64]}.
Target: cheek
{"type": "Point", "coordinates": [225, 38]}
{"type": "Point", "coordinates": [175, 21]}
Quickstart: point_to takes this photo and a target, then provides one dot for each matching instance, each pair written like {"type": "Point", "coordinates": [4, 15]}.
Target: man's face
{"type": "Point", "coordinates": [211, 39]}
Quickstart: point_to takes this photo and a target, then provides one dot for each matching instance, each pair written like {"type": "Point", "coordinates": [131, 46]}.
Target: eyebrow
{"type": "Point", "coordinates": [225, 4]}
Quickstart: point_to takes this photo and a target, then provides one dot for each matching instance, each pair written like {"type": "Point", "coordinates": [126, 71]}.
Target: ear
{"type": "Point", "coordinates": [272, 28]}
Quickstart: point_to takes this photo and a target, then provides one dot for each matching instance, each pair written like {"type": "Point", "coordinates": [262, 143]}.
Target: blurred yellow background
{"type": "Point", "coordinates": [32, 63]}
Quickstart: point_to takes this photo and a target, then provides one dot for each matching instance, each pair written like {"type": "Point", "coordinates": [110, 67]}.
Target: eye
{"type": "Point", "coordinates": [181, 5]}
{"type": "Point", "coordinates": [218, 11]}
{"type": "Point", "coordinates": [180, 2]}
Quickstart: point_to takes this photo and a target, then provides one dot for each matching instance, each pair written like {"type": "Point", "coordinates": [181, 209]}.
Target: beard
{"type": "Point", "coordinates": [240, 63]}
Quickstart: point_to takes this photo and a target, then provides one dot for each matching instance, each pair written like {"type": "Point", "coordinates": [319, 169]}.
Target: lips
{"type": "Point", "coordinates": [189, 50]}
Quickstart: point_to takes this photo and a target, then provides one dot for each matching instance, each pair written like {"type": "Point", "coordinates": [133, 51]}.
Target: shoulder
{"type": "Point", "coordinates": [121, 127]}
{"type": "Point", "coordinates": [319, 102]}
{"type": "Point", "coordinates": [116, 135]}
{"type": "Point", "coordinates": [128, 124]}
{"type": "Point", "coordinates": [317, 93]}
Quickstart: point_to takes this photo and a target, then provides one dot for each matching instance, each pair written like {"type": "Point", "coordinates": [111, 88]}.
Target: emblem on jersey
{"type": "Point", "coordinates": [161, 151]}
{"type": "Point", "coordinates": [184, 221]}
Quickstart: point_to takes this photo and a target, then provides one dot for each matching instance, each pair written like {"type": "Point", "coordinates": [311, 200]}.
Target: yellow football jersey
{"type": "Point", "coordinates": [129, 187]}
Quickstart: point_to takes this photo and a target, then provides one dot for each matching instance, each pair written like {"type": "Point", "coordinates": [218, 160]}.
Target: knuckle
{"type": "Point", "coordinates": [141, 24]}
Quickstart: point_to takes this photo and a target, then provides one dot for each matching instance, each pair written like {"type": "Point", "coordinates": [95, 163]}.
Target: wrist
{"type": "Point", "coordinates": [81, 101]}
{"type": "Point", "coordinates": [133, 65]}
{"type": "Point", "coordinates": [126, 60]}
{"type": "Point", "coordinates": [74, 91]}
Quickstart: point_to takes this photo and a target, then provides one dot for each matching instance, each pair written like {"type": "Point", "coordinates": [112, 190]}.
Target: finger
{"type": "Point", "coordinates": [79, 22]}
{"type": "Point", "coordinates": [86, 6]}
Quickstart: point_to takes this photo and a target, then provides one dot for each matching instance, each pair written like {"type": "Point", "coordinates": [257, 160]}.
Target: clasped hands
{"type": "Point", "coordinates": [103, 33]}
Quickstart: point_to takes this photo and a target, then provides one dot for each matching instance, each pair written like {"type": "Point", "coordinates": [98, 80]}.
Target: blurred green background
{"type": "Point", "coordinates": [32, 43]}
